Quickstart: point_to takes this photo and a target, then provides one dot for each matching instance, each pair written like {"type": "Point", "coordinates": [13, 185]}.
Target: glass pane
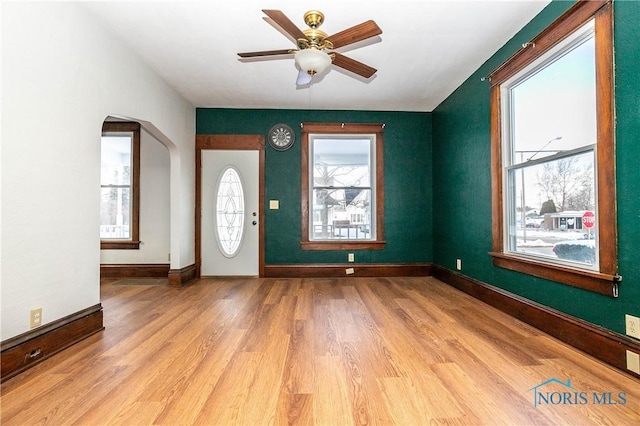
{"type": "Point", "coordinates": [115, 214]}
{"type": "Point", "coordinates": [229, 212]}
{"type": "Point", "coordinates": [116, 160]}
{"type": "Point", "coordinates": [343, 162]}
{"type": "Point", "coordinates": [341, 214]}
{"type": "Point", "coordinates": [554, 110]}
{"type": "Point", "coordinates": [549, 202]}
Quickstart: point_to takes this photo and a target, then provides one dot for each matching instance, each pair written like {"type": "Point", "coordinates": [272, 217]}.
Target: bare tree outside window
{"type": "Point", "coordinates": [568, 184]}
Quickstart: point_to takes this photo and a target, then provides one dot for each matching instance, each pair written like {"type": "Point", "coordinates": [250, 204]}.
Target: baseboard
{"type": "Point", "coordinates": [159, 270]}
{"type": "Point", "coordinates": [340, 270]}
{"type": "Point", "coordinates": [598, 342]}
{"type": "Point", "coordinates": [179, 277]}
{"type": "Point", "coordinates": [28, 349]}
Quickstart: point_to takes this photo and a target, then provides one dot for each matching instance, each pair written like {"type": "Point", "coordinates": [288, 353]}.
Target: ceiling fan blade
{"type": "Point", "coordinates": [285, 23]}
{"type": "Point", "coordinates": [265, 53]}
{"type": "Point", "coordinates": [352, 65]}
{"type": "Point", "coordinates": [355, 34]}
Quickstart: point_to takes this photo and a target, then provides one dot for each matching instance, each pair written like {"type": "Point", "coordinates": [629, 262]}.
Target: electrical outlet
{"type": "Point", "coordinates": [169, 257]}
{"type": "Point", "coordinates": [633, 362]}
{"type": "Point", "coordinates": [459, 264]}
{"type": "Point", "coordinates": [351, 257]}
{"type": "Point", "coordinates": [632, 326]}
{"type": "Point", "coordinates": [349, 271]}
{"type": "Point", "coordinates": [35, 318]}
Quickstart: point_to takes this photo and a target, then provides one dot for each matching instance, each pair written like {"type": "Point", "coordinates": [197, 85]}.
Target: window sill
{"type": "Point", "coordinates": [119, 245]}
{"type": "Point", "coordinates": [593, 281]}
{"type": "Point", "coordinates": [340, 245]}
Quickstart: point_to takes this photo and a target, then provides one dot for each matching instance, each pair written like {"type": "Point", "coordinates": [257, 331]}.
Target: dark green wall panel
{"type": "Point", "coordinates": [407, 161]}
{"type": "Point", "coordinates": [462, 185]}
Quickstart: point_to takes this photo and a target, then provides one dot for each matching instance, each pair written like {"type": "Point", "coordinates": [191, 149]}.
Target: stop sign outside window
{"type": "Point", "coordinates": [588, 219]}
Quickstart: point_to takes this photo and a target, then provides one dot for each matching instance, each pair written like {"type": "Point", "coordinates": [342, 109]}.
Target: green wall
{"type": "Point", "coordinates": [462, 180]}
{"type": "Point", "coordinates": [407, 182]}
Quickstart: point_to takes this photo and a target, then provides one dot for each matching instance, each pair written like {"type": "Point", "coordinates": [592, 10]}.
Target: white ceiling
{"type": "Point", "coordinates": [426, 50]}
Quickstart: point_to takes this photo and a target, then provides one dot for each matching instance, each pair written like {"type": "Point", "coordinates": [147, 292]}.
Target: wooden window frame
{"type": "Point", "coordinates": [134, 242]}
{"type": "Point", "coordinates": [343, 129]}
{"type": "Point", "coordinates": [605, 281]}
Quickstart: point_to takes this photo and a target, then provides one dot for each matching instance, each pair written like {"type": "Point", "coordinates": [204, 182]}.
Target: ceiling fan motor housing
{"type": "Point", "coordinates": [315, 38]}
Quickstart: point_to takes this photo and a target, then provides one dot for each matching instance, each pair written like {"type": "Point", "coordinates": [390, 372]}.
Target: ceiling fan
{"type": "Point", "coordinates": [315, 48]}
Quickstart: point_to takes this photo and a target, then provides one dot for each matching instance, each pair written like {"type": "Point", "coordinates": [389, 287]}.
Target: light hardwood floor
{"type": "Point", "coordinates": [248, 351]}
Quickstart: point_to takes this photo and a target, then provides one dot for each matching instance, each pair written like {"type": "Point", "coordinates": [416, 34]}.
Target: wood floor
{"type": "Point", "coordinates": [248, 351]}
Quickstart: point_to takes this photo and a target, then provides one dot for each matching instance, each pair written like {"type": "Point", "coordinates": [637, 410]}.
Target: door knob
{"type": "Point", "coordinates": [254, 223]}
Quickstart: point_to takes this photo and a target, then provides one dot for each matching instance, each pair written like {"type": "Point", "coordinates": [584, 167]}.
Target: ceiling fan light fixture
{"type": "Point", "coordinates": [312, 61]}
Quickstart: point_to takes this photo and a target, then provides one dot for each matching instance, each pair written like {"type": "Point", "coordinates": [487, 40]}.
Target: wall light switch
{"type": "Point", "coordinates": [274, 204]}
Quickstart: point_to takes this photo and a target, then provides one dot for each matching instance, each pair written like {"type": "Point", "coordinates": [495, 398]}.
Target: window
{"type": "Point", "coordinates": [342, 186]}
{"type": "Point", "coordinates": [229, 212]}
{"type": "Point", "coordinates": [119, 185]}
{"type": "Point", "coordinates": [553, 153]}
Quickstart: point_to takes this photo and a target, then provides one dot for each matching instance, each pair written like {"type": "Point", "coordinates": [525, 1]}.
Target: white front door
{"type": "Point", "coordinates": [230, 222]}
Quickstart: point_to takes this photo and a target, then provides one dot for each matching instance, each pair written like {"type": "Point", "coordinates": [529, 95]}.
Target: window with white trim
{"type": "Point", "coordinates": [342, 186]}
{"type": "Point", "coordinates": [119, 185]}
{"type": "Point", "coordinates": [342, 194]}
{"type": "Point", "coordinates": [553, 153]}
{"type": "Point", "coordinates": [549, 139]}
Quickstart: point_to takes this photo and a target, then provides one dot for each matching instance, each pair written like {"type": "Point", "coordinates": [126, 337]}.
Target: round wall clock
{"type": "Point", "coordinates": [281, 137]}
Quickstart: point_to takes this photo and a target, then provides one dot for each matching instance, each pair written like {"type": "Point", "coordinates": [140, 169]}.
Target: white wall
{"type": "Point", "coordinates": [62, 75]}
{"type": "Point", "coordinates": [154, 208]}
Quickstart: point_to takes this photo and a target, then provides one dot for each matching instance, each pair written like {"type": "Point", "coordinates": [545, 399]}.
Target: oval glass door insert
{"type": "Point", "coordinates": [229, 211]}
